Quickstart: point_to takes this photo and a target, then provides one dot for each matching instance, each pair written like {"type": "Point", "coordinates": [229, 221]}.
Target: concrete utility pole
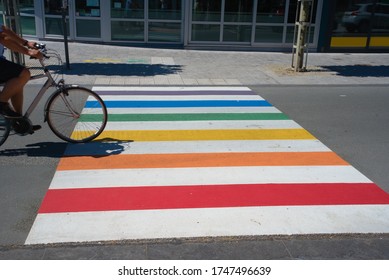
{"type": "Point", "coordinates": [302, 23]}
{"type": "Point", "coordinates": [12, 20]}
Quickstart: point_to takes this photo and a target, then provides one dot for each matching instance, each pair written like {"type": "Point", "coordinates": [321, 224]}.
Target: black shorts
{"type": "Point", "coordinates": [9, 70]}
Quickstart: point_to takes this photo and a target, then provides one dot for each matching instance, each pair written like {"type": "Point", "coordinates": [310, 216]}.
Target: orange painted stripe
{"type": "Point", "coordinates": [200, 160]}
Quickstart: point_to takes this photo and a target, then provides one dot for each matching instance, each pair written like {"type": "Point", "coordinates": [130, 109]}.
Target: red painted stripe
{"type": "Point", "coordinates": [174, 197]}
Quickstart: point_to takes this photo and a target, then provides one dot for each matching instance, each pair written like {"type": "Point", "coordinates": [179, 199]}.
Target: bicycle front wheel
{"type": "Point", "coordinates": [4, 129]}
{"type": "Point", "coordinates": [76, 114]}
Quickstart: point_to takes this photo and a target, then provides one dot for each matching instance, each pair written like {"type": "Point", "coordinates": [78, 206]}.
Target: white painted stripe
{"type": "Point", "coordinates": [243, 221]}
{"type": "Point", "coordinates": [196, 110]}
{"type": "Point", "coordinates": [181, 89]}
{"type": "Point", "coordinates": [194, 125]}
{"type": "Point", "coordinates": [169, 147]}
{"type": "Point", "coordinates": [179, 97]}
{"type": "Point", "coordinates": [205, 176]}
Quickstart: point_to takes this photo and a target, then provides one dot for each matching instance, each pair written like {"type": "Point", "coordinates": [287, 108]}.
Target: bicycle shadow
{"type": "Point", "coordinates": [122, 69]}
{"type": "Point", "coordinates": [101, 148]}
{"type": "Point", "coordinates": [42, 149]}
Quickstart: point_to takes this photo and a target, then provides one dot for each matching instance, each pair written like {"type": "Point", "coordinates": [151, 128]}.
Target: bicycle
{"type": "Point", "coordinates": [75, 114]}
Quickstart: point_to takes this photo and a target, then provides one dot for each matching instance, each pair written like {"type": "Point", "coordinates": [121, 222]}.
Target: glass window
{"type": "Point", "coordinates": [53, 7]}
{"type": "Point", "coordinates": [237, 33]}
{"type": "Point", "coordinates": [88, 8]}
{"type": "Point", "coordinates": [380, 22]}
{"type": "Point", "coordinates": [206, 32]}
{"type": "Point", "coordinates": [206, 10]}
{"type": "Point", "coordinates": [27, 17]}
{"type": "Point", "coordinates": [269, 34]}
{"type": "Point", "coordinates": [164, 32]}
{"type": "Point", "coordinates": [133, 9]}
{"type": "Point", "coordinates": [238, 11]}
{"type": "Point", "coordinates": [88, 28]}
{"type": "Point", "coordinates": [269, 11]}
{"type": "Point", "coordinates": [127, 30]}
{"type": "Point", "coordinates": [353, 17]}
{"type": "Point", "coordinates": [53, 17]}
{"type": "Point", "coordinates": [165, 9]}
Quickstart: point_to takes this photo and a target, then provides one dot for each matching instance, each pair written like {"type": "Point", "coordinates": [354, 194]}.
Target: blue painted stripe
{"type": "Point", "coordinates": [181, 103]}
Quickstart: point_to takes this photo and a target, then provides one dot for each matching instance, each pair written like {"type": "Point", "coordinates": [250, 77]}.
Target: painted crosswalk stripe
{"type": "Point", "coordinates": [192, 161]}
{"type": "Point", "coordinates": [201, 160]}
{"type": "Point", "coordinates": [203, 135]}
{"type": "Point", "coordinates": [189, 117]}
{"type": "Point", "coordinates": [174, 147]}
{"type": "Point", "coordinates": [180, 103]}
{"type": "Point", "coordinates": [178, 197]}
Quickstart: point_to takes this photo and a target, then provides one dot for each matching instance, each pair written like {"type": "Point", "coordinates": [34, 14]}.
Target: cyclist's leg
{"type": "Point", "coordinates": [15, 77]}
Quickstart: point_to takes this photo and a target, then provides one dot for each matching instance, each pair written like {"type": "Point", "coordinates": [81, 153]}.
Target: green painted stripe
{"type": "Point", "coordinates": [189, 117]}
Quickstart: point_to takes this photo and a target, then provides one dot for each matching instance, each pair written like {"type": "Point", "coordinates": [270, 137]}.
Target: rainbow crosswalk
{"type": "Point", "coordinates": [203, 162]}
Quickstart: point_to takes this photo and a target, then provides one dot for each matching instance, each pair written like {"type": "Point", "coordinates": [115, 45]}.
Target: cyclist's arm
{"type": "Point", "coordinates": [12, 45]}
{"type": "Point", "coordinates": [14, 42]}
{"type": "Point", "coordinates": [8, 33]}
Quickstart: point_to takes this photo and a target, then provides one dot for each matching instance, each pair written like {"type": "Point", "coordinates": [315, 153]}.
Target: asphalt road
{"type": "Point", "coordinates": [353, 121]}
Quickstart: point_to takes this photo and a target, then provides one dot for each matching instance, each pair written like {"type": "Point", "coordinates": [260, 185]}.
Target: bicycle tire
{"type": "Point", "coordinates": [4, 129]}
{"type": "Point", "coordinates": [76, 114]}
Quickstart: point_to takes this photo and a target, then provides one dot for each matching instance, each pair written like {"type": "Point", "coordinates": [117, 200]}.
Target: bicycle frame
{"type": "Point", "coordinates": [50, 82]}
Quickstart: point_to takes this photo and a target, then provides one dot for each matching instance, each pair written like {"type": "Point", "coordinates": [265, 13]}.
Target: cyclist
{"type": "Point", "coordinates": [14, 76]}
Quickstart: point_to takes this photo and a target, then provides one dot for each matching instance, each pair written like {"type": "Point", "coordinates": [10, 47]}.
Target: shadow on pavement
{"type": "Point", "coordinates": [122, 69]}
{"type": "Point", "coordinates": [42, 149]}
{"type": "Point", "coordinates": [378, 71]}
{"type": "Point", "coordinates": [101, 148]}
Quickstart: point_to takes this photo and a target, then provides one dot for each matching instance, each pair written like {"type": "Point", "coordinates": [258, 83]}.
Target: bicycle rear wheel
{"type": "Point", "coordinates": [4, 129]}
{"type": "Point", "coordinates": [76, 114]}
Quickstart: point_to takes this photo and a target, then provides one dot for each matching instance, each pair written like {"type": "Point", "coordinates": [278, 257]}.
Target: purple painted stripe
{"type": "Point", "coordinates": [195, 92]}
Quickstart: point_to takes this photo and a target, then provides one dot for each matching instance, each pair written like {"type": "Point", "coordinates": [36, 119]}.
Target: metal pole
{"type": "Point", "coordinates": [65, 31]}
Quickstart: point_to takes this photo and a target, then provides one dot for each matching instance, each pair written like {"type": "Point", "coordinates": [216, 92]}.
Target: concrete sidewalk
{"type": "Point", "coordinates": [95, 64]}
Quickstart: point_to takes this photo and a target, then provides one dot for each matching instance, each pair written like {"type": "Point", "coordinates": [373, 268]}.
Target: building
{"type": "Point", "coordinates": [214, 24]}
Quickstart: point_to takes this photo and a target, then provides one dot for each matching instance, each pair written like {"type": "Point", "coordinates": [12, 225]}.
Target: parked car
{"type": "Point", "coordinates": [359, 18]}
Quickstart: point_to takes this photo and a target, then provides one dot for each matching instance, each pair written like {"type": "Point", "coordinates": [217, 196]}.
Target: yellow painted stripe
{"type": "Point", "coordinates": [198, 135]}
{"type": "Point", "coordinates": [379, 41]}
{"type": "Point", "coordinates": [348, 41]}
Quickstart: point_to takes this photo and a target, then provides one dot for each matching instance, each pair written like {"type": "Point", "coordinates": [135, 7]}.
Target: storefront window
{"type": "Point", "coordinates": [206, 32]}
{"type": "Point", "coordinates": [130, 9]}
{"type": "Point", "coordinates": [165, 9]}
{"type": "Point", "coordinates": [53, 17]}
{"type": "Point", "coordinates": [164, 32]}
{"type": "Point", "coordinates": [206, 10]}
{"type": "Point", "coordinates": [127, 31]}
{"type": "Point", "coordinates": [271, 11]}
{"type": "Point", "coordinates": [27, 17]}
{"type": "Point", "coordinates": [269, 34]}
{"type": "Point", "coordinates": [237, 33]}
{"type": "Point", "coordinates": [53, 7]}
{"type": "Point", "coordinates": [88, 8]}
{"type": "Point", "coordinates": [361, 24]}
{"type": "Point", "coordinates": [238, 11]}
